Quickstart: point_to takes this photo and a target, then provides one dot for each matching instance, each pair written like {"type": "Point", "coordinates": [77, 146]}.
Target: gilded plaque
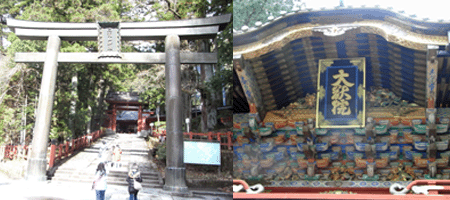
{"type": "Point", "coordinates": [341, 93]}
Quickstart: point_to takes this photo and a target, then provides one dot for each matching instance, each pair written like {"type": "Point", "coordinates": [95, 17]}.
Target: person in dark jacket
{"type": "Point", "coordinates": [134, 174]}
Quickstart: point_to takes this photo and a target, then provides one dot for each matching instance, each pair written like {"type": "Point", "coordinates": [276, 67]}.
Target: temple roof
{"type": "Point", "coordinates": [280, 58]}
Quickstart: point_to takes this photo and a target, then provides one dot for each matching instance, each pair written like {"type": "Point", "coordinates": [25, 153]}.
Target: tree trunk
{"type": "Point", "coordinates": [73, 103]}
{"type": "Point", "coordinates": [209, 109]}
{"type": "Point", "coordinates": [100, 97]}
{"type": "Point", "coordinates": [88, 127]}
{"type": "Point", "coordinates": [24, 120]}
{"type": "Point", "coordinates": [186, 107]}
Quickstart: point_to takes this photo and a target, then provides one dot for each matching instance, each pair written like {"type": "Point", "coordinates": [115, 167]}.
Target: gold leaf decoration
{"type": "Point", "coordinates": [359, 63]}
{"type": "Point", "coordinates": [360, 91]}
{"type": "Point", "coordinates": [322, 120]}
{"type": "Point", "coordinates": [354, 122]}
{"type": "Point", "coordinates": [323, 64]}
{"type": "Point", "coordinates": [321, 93]}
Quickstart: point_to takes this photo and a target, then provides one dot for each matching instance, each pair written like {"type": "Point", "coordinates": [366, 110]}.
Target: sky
{"type": "Point", "coordinates": [432, 9]}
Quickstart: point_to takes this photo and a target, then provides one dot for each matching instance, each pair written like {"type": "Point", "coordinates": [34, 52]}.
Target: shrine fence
{"type": "Point", "coordinates": [210, 136]}
{"type": "Point", "coordinates": [55, 152]}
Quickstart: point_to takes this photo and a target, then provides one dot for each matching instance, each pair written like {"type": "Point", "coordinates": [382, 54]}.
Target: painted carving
{"type": "Point", "coordinates": [310, 171]}
{"type": "Point", "coordinates": [334, 30]}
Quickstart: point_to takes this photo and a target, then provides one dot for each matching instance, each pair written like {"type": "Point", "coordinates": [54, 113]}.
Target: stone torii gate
{"type": "Point", "coordinates": [109, 36]}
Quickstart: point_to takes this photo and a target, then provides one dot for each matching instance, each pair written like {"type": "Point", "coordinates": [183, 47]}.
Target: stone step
{"type": "Point", "coordinates": [113, 179]}
{"type": "Point", "coordinates": [150, 178]}
{"type": "Point", "coordinates": [81, 167]}
{"type": "Point", "coordinates": [112, 173]}
{"type": "Point", "coordinates": [110, 182]}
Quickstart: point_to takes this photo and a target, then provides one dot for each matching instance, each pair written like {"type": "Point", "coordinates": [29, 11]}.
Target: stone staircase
{"type": "Point", "coordinates": [81, 167]}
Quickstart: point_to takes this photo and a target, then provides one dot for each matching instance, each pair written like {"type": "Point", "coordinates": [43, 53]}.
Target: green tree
{"type": "Point", "coordinates": [247, 12]}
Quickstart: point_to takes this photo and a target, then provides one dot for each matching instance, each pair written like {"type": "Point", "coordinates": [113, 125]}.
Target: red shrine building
{"type": "Point", "coordinates": [131, 118]}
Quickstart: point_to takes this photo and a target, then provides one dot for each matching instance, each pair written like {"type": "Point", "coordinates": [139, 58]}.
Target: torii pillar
{"type": "Point", "coordinates": [139, 122]}
{"type": "Point", "coordinates": [37, 162]}
{"type": "Point", "coordinates": [114, 118]}
{"type": "Point", "coordinates": [175, 170]}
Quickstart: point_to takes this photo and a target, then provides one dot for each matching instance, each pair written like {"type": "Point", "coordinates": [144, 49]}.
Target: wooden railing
{"type": "Point", "coordinates": [14, 152]}
{"type": "Point", "coordinates": [56, 152]}
{"type": "Point", "coordinates": [218, 136]}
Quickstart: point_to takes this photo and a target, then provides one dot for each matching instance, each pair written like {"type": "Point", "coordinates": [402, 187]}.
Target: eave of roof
{"type": "Point", "coordinates": [394, 27]}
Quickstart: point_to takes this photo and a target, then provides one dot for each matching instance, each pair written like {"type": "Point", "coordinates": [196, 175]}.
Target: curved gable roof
{"type": "Point", "coordinates": [281, 57]}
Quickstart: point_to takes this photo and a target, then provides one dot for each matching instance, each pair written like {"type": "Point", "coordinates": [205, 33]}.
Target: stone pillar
{"type": "Point", "coordinates": [37, 162]}
{"type": "Point", "coordinates": [175, 170]}
{"type": "Point", "coordinates": [432, 68]}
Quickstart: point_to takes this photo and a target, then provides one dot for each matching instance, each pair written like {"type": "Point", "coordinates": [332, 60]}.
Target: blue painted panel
{"type": "Point", "coordinates": [341, 51]}
{"type": "Point", "coordinates": [442, 74]}
{"type": "Point", "coordinates": [364, 46]}
{"type": "Point", "coordinates": [281, 99]}
{"type": "Point", "coordinates": [364, 52]}
{"type": "Point", "coordinates": [274, 75]}
{"type": "Point", "coordinates": [296, 42]}
{"type": "Point", "coordinates": [268, 56]}
{"type": "Point", "coordinates": [271, 67]}
{"type": "Point", "coordinates": [363, 41]}
{"type": "Point", "coordinates": [369, 72]}
{"type": "Point", "coordinates": [443, 70]}
{"type": "Point", "coordinates": [316, 43]}
{"type": "Point", "coordinates": [381, 40]}
{"type": "Point", "coordinates": [316, 49]}
{"type": "Point", "coordinates": [384, 60]}
{"type": "Point", "coordinates": [280, 91]}
{"type": "Point", "coordinates": [407, 71]}
{"type": "Point", "coordinates": [303, 70]}
{"type": "Point", "coordinates": [320, 56]}
{"type": "Point", "coordinates": [383, 53]}
{"type": "Point", "coordinates": [297, 47]}
{"type": "Point", "coordinates": [359, 35]}
{"type": "Point", "coordinates": [300, 57]}
{"type": "Point", "coordinates": [407, 51]}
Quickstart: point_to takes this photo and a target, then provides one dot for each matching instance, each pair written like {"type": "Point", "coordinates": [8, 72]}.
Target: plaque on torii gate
{"type": "Point", "coordinates": [109, 40]}
{"type": "Point", "coordinates": [111, 34]}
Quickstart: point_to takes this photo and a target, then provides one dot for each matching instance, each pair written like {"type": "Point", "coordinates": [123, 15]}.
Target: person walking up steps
{"type": "Point", "coordinates": [133, 175]}
{"type": "Point", "coordinates": [103, 153]}
{"type": "Point", "coordinates": [101, 175]}
{"type": "Point", "coordinates": [117, 155]}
